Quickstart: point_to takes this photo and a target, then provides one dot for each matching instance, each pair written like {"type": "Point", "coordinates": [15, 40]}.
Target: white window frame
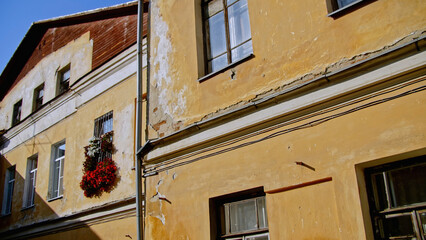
{"type": "Point", "coordinates": [56, 173]}
{"type": "Point", "coordinates": [30, 182]}
{"type": "Point", "coordinates": [9, 184]}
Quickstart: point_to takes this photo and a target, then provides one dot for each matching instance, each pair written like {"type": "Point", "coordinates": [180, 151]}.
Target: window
{"type": "Point", "coordinates": [227, 32]}
{"type": "Point", "coordinates": [8, 191]}
{"type": "Point", "coordinates": [103, 124]}
{"type": "Point", "coordinates": [63, 80]}
{"type": "Point", "coordinates": [16, 116]}
{"type": "Point", "coordinates": [57, 171]}
{"type": "Point", "coordinates": [397, 197]}
{"type": "Point", "coordinates": [38, 97]}
{"type": "Point", "coordinates": [240, 216]}
{"type": "Point", "coordinates": [334, 6]}
{"type": "Point", "coordinates": [30, 182]}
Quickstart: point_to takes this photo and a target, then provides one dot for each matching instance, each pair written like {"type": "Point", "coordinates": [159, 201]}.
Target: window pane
{"type": "Point", "coordinates": [55, 180]}
{"type": "Point", "coordinates": [406, 185]}
{"type": "Point", "coordinates": [66, 75]}
{"type": "Point", "coordinates": [379, 191]}
{"type": "Point", "coordinates": [216, 36]}
{"type": "Point", "coordinates": [218, 63]}
{"type": "Point", "coordinates": [61, 151]}
{"type": "Point", "coordinates": [342, 3]}
{"type": "Point", "coordinates": [243, 216]}
{"type": "Point", "coordinates": [423, 223]}
{"type": "Point", "coordinates": [213, 7]}
{"type": "Point", "coordinates": [258, 237]}
{"type": "Point", "coordinates": [239, 23]}
{"type": "Point", "coordinates": [230, 2]}
{"type": "Point", "coordinates": [242, 51]}
{"type": "Point", "coordinates": [261, 212]}
{"type": "Point", "coordinates": [399, 226]}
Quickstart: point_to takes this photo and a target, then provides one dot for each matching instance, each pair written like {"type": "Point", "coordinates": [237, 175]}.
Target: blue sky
{"type": "Point", "coordinates": [16, 17]}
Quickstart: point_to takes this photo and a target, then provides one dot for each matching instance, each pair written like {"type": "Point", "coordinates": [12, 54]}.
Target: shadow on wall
{"type": "Point", "coordinates": [37, 221]}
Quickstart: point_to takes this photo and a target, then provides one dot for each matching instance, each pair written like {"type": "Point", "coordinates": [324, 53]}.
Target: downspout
{"type": "Point", "coordinates": [139, 193]}
{"type": "Point", "coordinates": [147, 144]}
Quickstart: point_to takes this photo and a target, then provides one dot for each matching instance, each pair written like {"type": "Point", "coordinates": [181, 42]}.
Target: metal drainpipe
{"type": "Point", "coordinates": [139, 194]}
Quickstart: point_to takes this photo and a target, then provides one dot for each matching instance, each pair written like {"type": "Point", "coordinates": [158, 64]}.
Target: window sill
{"type": "Point", "coordinates": [212, 74]}
{"type": "Point", "coordinates": [29, 207]}
{"type": "Point", "coordinates": [340, 11]}
{"type": "Point", "coordinates": [55, 198]}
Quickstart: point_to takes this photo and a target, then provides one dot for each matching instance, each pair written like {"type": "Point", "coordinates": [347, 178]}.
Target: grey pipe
{"type": "Point", "coordinates": [139, 193]}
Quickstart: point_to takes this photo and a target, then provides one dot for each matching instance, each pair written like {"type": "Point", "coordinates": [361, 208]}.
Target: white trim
{"type": "Point", "coordinates": [323, 94]}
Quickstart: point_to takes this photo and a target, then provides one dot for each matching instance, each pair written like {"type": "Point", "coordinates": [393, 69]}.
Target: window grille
{"type": "Point", "coordinates": [103, 125]}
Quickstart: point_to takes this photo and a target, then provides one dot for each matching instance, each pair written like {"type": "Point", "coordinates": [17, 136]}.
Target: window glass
{"type": "Point", "coordinates": [399, 226]}
{"type": "Point", "coordinates": [423, 222]}
{"type": "Point", "coordinates": [242, 51]}
{"type": "Point", "coordinates": [216, 35]}
{"type": "Point", "coordinates": [8, 191]}
{"type": "Point", "coordinates": [214, 7]}
{"type": "Point", "coordinates": [16, 117]}
{"type": "Point", "coordinates": [218, 63]}
{"type": "Point", "coordinates": [239, 23]}
{"type": "Point", "coordinates": [61, 151]}
{"type": "Point", "coordinates": [261, 213]}
{"type": "Point", "coordinates": [380, 191]}
{"type": "Point", "coordinates": [404, 185]}
{"type": "Point", "coordinates": [343, 3]}
{"type": "Point", "coordinates": [243, 216]}
{"type": "Point", "coordinates": [38, 97]}
{"type": "Point", "coordinates": [30, 182]}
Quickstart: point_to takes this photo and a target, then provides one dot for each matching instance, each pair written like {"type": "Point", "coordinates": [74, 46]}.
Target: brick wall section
{"type": "Point", "coordinates": [110, 37]}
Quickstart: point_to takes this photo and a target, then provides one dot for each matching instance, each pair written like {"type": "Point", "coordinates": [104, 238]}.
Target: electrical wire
{"type": "Point", "coordinates": [167, 165]}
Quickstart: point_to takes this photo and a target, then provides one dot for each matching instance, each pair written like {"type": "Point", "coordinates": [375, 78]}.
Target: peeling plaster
{"type": "Point", "coordinates": [156, 199]}
{"type": "Point", "coordinates": [344, 62]}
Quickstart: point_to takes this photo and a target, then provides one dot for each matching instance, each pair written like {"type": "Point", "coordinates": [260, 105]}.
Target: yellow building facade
{"type": "Point", "coordinates": [57, 101]}
{"type": "Point", "coordinates": [286, 120]}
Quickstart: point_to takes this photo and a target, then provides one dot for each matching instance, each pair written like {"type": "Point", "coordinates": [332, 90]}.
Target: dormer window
{"type": "Point", "coordinates": [64, 80]}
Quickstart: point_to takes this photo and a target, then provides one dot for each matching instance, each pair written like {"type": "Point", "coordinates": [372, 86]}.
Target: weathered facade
{"type": "Point", "coordinates": [66, 75]}
{"type": "Point", "coordinates": [286, 120]}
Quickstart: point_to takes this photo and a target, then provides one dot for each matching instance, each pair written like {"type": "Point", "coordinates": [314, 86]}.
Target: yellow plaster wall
{"type": "Point", "coordinates": [76, 129]}
{"type": "Point", "coordinates": [114, 230]}
{"type": "Point", "coordinates": [329, 210]}
{"type": "Point", "coordinates": [290, 39]}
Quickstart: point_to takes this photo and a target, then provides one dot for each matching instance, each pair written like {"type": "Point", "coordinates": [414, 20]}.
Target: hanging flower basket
{"type": "Point", "coordinates": [99, 170]}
